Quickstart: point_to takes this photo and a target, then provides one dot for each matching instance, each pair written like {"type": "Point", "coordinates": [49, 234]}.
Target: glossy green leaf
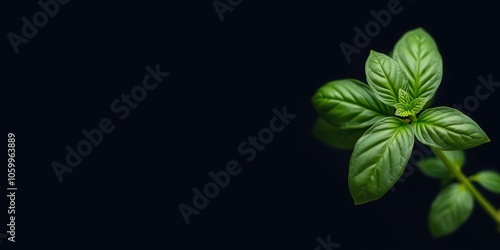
{"type": "Point", "coordinates": [411, 107]}
{"type": "Point", "coordinates": [418, 55]}
{"type": "Point", "coordinates": [450, 210]}
{"type": "Point", "coordinates": [349, 103]}
{"type": "Point", "coordinates": [385, 77]}
{"type": "Point", "coordinates": [417, 104]}
{"type": "Point", "coordinates": [337, 137]}
{"type": "Point", "coordinates": [448, 129]}
{"type": "Point", "coordinates": [404, 97]}
{"type": "Point", "coordinates": [403, 109]}
{"type": "Point", "coordinates": [434, 167]}
{"type": "Point", "coordinates": [456, 157]}
{"type": "Point", "coordinates": [379, 159]}
{"type": "Point", "coordinates": [489, 180]}
{"type": "Point", "coordinates": [429, 102]}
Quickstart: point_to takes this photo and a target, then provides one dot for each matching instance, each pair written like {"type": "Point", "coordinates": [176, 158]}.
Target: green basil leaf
{"type": "Point", "coordinates": [337, 137]}
{"type": "Point", "coordinates": [456, 157]}
{"type": "Point", "coordinates": [429, 102]}
{"type": "Point", "coordinates": [385, 77]}
{"type": "Point", "coordinates": [417, 104]}
{"type": "Point", "coordinates": [434, 167]}
{"type": "Point", "coordinates": [448, 129]}
{"type": "Point", "coordinates": [349, 103]}
{"type": "Point", "coordinates": [403, 109]}
{"type": "Point", "coordinates": [418, 55]}
{"type": "Point", "coordinates": [379, 159]}
{"type": "Point", "coordinates": [450, 209]}
{"type": "Point", "coordinates": [408, 106]}
{"type": "Point", "coordinates": [489, 180]}
{"type": "Point", "coordinates": [404, 97]}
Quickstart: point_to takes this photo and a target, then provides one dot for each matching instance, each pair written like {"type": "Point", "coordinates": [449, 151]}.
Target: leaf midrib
{"type": "Point", "coordinates": [377, 165]}
{"type": "Point", "coordinates": [350, 103]}
{"type": "Point", "coordinates": [386, 76]}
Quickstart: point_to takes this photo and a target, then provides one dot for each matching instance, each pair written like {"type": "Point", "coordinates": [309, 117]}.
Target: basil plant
{"type": "Point", "coordinates": [381, 119]}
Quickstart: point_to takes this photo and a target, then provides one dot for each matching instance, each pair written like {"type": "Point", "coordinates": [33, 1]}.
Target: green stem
{"type": "Point", "coordinates": [468, 184]}
{"type": "Point", "coordinates": [412, 118]}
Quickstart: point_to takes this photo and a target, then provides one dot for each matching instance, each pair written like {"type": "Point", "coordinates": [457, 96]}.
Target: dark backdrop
{"type": "Point", "coordinates": [225, 79]}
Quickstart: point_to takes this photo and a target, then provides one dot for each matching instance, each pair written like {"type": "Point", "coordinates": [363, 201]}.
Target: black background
{"type": "Point", "coordinates": [226, 77]}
